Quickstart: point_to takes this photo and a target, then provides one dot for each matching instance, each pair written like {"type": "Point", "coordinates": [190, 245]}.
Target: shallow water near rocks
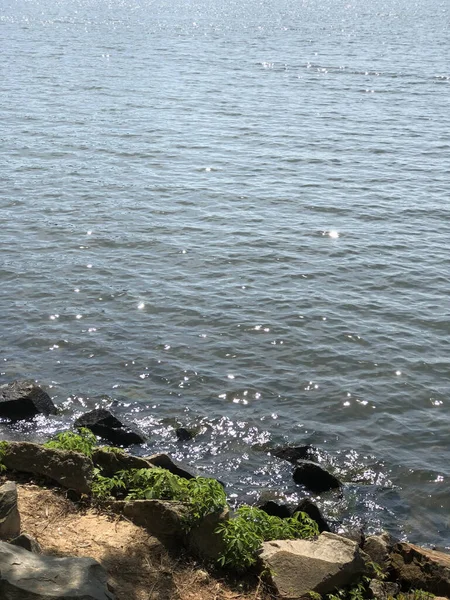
{"type": "Point", "coordinates": [234, 217]}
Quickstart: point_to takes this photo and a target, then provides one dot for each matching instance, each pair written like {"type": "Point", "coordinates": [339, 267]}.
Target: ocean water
{"type": "Point", "coordinates": [234, 216]}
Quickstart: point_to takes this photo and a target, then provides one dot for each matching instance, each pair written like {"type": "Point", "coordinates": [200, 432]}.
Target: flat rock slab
{"type": "Point", "coordinates": [103, 423]}
{"type": "Point", "coordinates": [320, 565]}
{"type": "Point", "coordinates": [23, 400]}
{"type": "Point", "coordinates": [28, 576]}
{"type": "Point", "coordinates": [314, 477]}
{"type": "Point", "coordinates": [70, 469]}
{"type": "Point", "coordinates": [420, 568]}
{"type": "Point", "coordinates": [9, 512]}
{"type": "Point", "coordinates": [161, 518]}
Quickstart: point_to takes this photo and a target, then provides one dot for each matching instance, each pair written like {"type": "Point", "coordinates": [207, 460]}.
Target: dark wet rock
{"type": "Point", "coordinates": [295, 453]}
{"type": "Point", "coordinates": [183, 434]}
{"type": "Point", "coordinates": [276, 510]}
{"type": "Point", "coordinates": [107, 426]}
{"type": "Point", "coordinates": [203, 540]}
{"type": "Point", "coordinates": [312, 510]}
{"type": "Point", "coordinates": [377, 547]}
{"type": "Point", "coordinates": [26, 542]}
{"type": "Point", "coordinates": [111, 462]}
{"type": "Point", "coordinates": [314, 477]}
{"type": "Point", "coordinates": [323, 564]}
{"type": "Point", "coordinates": [165, 462]}
{"type": "Point", "coordinates": [28, 576]}
{"type": "Point", "coordinates": [9, 512]}
{"type": "Point", "coordinates": [23, 400]}
{"type": "Point", "coordinates": [382, 590]}
{"type": "Point", "coordinates": [70, 469]}
{"type": "Point", "coordinates": [420, 568]}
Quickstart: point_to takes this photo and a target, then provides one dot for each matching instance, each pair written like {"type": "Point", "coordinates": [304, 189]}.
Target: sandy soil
{"type": "Point", "coordinates": [139, 565]}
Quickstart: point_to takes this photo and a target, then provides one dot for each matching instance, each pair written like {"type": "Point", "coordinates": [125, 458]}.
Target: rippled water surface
{"type": "Point", "coordinates": [235, 216]}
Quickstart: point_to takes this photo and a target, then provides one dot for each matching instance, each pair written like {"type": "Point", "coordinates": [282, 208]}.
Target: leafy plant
{"type": "Point", "coordinates": [84, 441]}
{"type": "Point", "coordinates": [201, 495]}
{"type": "Point", "coordinates": [244, 534]}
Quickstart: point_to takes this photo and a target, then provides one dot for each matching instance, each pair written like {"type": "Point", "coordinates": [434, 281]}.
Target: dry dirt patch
{"type": "Point", "coordinates": [139, 565]}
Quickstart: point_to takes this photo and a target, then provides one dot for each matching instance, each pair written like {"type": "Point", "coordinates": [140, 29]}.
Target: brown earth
{"type": "Point", "coordinates": [140, 567]}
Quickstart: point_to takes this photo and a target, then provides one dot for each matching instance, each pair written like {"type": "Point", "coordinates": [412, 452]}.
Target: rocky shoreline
{"type": "Point", "coordinates": [103, 478]}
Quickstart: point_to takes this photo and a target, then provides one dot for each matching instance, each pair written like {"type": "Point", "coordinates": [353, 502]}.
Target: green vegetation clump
{"type": "Point", "coordinates": [244, 534]}
{"type": "Point", "coordinates": [202, 496]}
{"type": "Point", "coordinates": [84, 441]}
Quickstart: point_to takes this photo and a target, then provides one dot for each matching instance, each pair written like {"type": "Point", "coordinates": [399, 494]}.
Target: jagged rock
{"type": "Point", "coordinates": [382, 590]}
{"type": "Point", "coordinates": [165, 462]}
{"type": "Point", "coordinates": [294, 453]}
{"type": "Point", "coordinates": [24, 400]}
{"type": "Point", "coordinates": [70, 469]}
{"type": "Point", "coordinates": [297, 567]}
{"type": "Point", "coordinates": [312, 510]}
{"type": "Point", "coordinates": [160, 517]}
{"type": "Point", "coordinates": [314, 477]}
{"type": "Point", "coordinates": [203, 541]}
{"type": "Point", "coordinates": [276, 510]}
{"type": "Point", "coordinates": [28, 576]}
{"type": "Point", "coordinates": [9, 513]}
{"type": "Point", "coordinates": [107, 426]}
{"type": "Point", "coordinates": [416, 567]}
{"type": "Point", "coordinates": [111, 462]}
{"type": "Point", "coordinates": [27, 542]}
{"type": "Point", "coordinates": [183, 434]}
{"type": "Point", "coordinates": [377, 547]}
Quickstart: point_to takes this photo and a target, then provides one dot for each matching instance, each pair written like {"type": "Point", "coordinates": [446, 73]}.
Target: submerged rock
{"type": "Point", "coordinates": [297, 567]}
{"type": "Point", "coordinates": [70, 469]}
{"type": "Point", "coordinates": [9, 512]}
{"type": "Point", "coordinates": [23, 400]}
{"type": "Point", "coordinates": [30, 576]}
{"type": "Point", "coordinates": [295, 453]}
{"type": "Point", "coordinates": [314, 477]}
{"type": "Point", "coordinates": [103, 423]}
{"type": "Point", "coordinates": [183, 434]}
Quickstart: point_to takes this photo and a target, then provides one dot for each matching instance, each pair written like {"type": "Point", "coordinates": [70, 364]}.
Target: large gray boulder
{"type": "Point", "coordinates": [105, 424]}
{"type": "Point", "coordinates": [377, 547]}
{"type": "Point", "coordinates": [9, 513]}
{"type": "Point", "coordinates": [28, 576]}
{"type": "Point", "coordinates": [70, 469]}
{"type": "Point", "coordinates": [203, 540]}
{"type": "Point", "coordinates": [420, 568]}
{"type": "Point", "coordinates": [23, 400]}
{"type": "Point", "coordinates": [320, 565]}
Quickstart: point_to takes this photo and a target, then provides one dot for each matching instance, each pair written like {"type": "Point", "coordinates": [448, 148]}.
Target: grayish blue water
{"type": "Point", "coordinates": [235, 215]}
